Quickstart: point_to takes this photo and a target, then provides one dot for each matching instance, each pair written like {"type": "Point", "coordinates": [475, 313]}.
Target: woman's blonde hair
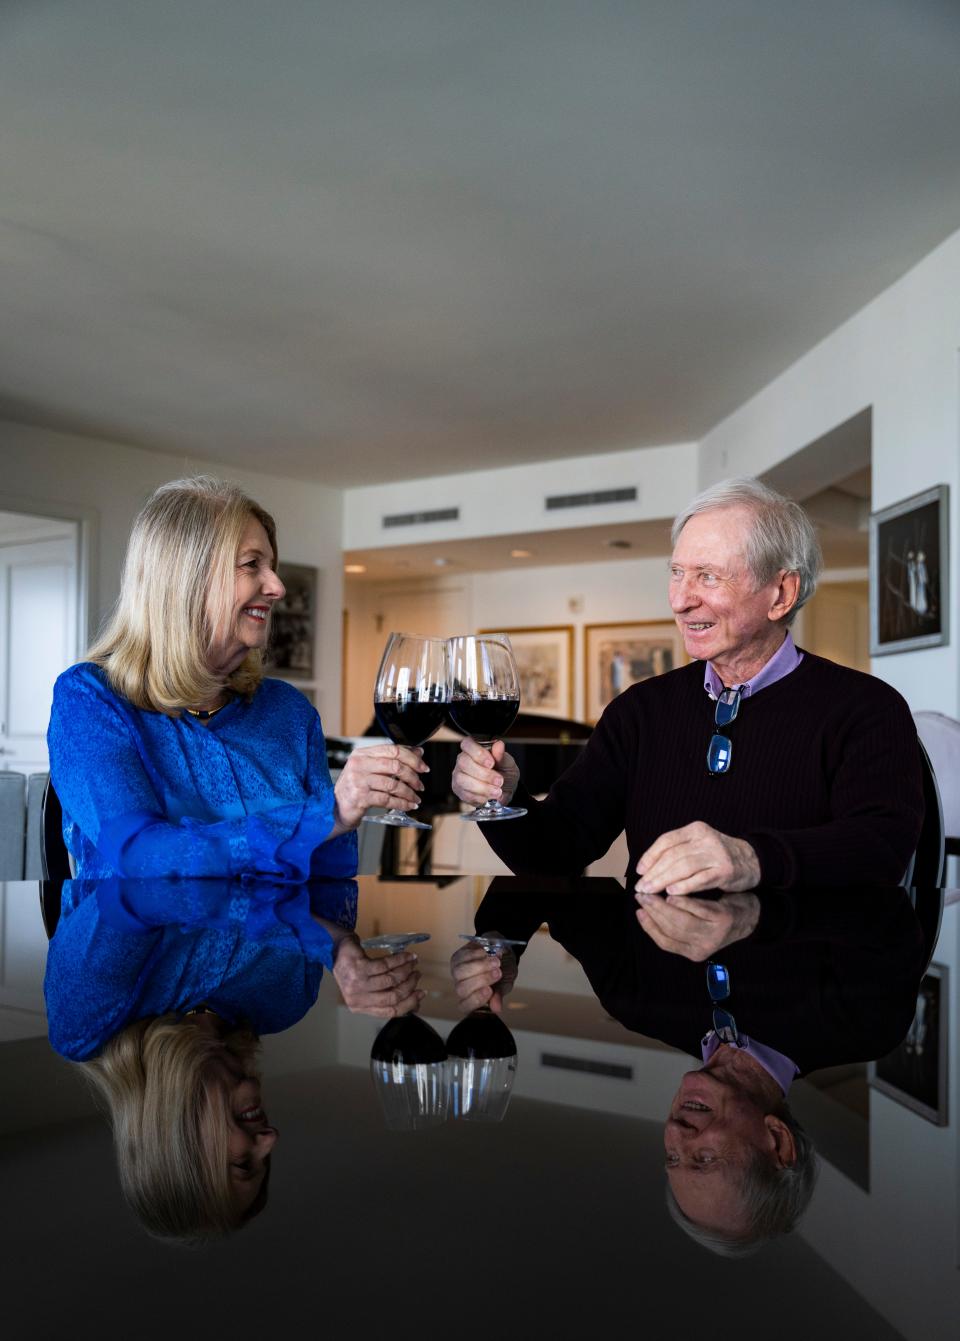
{"type": "Point", "coordinates": [170, 1121]}
{"type": "Point", "coordinates": [177, 593]}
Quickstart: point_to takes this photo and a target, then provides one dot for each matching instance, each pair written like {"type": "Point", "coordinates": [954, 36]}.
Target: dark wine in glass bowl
{"type": "Point", "coordinates": [410, 700]}
{"type": "Point", "coordinates": [408, 721]}
{"type": "Point", "coordinates": [486, 719]}
{"type": "Point", "coordinates": [484, 700]}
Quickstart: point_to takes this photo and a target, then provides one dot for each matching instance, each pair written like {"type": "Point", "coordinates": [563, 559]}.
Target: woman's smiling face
{"type": "Point", "coordinates": [257, 589]}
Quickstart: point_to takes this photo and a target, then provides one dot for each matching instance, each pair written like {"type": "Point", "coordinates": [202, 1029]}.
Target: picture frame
{"type": "Point", "coordinates": [909, 573]}
{"type": "Point", "coordinates": [294, 623]}
{"type": "Point", "coordinates": [616, 656]}
{"type": "Point", "coordinates": [915, 1073]}
{"type": "Point", "coordinates": [544, 657]}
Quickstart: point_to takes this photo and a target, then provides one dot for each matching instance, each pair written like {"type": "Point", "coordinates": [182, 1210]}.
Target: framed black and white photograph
{"type": "Point", "coordinates": [915, 1073]}
{"type": "Point", "coordinates": [909, 573]}
{"type": "Point", "coordinates": [294, 622]}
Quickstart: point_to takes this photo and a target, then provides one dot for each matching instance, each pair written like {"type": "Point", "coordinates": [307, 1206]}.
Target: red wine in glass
{"type": "Point", "coordinates": [410, 700]}
{"type": "Point", "coordinates": [484, 700]}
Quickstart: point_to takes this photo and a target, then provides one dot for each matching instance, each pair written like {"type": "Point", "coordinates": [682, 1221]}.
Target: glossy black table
{"type": "Point", "coordinates": [552, 1219]}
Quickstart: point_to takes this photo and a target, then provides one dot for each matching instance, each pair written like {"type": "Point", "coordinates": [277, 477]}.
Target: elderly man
{"type": "Point", "coordinates": [755, 764]}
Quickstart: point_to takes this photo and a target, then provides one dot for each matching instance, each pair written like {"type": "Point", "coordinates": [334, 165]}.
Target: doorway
{"type": "Point", "coordinates": [39, 625]}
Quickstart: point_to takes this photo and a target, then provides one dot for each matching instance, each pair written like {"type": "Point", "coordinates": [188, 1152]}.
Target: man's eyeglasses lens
{"type": "Point", "coordinates": [718, 985]}
{"type": "Point", "coordinates": [720, 750]}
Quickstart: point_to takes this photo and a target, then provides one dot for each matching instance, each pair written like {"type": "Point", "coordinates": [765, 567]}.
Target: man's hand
{"type": "Point", "coordinates": [697, 857]}
{"type": "Point", "coordinates": [697, 928]}
{"type": "Point", "coordinates": [482, 979]}
{"type": "Point", "coordinates": [484, 775]}
{"type": "Point", "coordinates": [382, 987]}
{"type": "Point", "coordinates": [377, 775]}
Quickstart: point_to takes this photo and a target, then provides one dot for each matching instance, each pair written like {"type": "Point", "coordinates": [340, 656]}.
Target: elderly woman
{"type": "Point", "coordinates": [756, 763]}
{"type": "Point", "coordinates": [170, 752]}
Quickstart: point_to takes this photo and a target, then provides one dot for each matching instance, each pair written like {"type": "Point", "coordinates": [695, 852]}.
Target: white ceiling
{"type": "Point", "coordinates": [374, 240]}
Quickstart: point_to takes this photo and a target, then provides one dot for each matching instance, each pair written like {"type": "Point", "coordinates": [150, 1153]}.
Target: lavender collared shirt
{"type": "Point", "coordinates": [784, 660]}
{"type": "Point", "coordinates": [776, 1064]}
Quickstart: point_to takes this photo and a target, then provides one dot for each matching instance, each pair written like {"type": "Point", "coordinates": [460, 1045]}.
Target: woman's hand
{"type": "Point", "coordinates": [377, 775]}
{"type": "Point", "coordinates": [384, 987]}
{"type": "Point", "coordinates": [483, 775]}
{"type": "Point", "coordinates": [482, 979]}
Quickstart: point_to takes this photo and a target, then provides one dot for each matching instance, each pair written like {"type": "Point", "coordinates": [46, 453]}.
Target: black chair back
{"type": "Point", "coordinates": [928, 863]}
{"type": "Point", "coordinates": [54, 858]}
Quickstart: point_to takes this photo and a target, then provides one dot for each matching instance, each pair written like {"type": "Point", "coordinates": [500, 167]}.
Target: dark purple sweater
{"type": "Point", "coordinates": [824, 783]}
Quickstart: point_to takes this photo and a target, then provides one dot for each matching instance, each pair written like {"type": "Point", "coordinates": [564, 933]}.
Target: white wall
{"type": "Point", "coordinates": [510, 500]}
{"type": "Point", "coordinates": [898, 356]}
{"type": "Point", "coordinates": [104, 484]}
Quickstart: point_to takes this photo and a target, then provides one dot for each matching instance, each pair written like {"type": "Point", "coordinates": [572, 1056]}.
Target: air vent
{"type": "Point", "coordinates": [421, 518]}
{"type": "Point", "coordinates": [592, 499]}
{"type": "Point", "coordinates": [612, 1069]}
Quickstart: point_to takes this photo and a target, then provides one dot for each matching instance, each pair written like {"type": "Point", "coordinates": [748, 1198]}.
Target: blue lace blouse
{"type": "Point", "coordinates": [126, 950]}
{"type": "Point", "coordinates": [147, 795]}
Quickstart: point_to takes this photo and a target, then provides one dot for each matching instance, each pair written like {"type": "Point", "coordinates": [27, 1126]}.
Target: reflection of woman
{"type": "Point", "coordinates": [161, 989]}
{"type": "Point", "coordinates": [192, 1139]}
{"type": "Point", "coordinates": [170, 752]}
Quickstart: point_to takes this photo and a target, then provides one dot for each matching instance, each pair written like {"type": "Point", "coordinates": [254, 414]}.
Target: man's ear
{"type": "Point", "coordinates": [788, 592]}
{"type": "Point", "coordinates": [784, 1146]}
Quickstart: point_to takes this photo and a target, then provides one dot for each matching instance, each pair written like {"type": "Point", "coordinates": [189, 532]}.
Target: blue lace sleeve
{"type": "Point", "coordinates": [112, 792]}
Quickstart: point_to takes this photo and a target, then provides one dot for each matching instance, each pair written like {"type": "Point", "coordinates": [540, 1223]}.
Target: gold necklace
{"type": "Point", "coordinates": [204, 713]}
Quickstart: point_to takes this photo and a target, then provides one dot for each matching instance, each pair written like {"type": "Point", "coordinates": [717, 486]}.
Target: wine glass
{"type": "Point", "coordinates": [410, 700]}
{"type": "Point", "coordinates": [484, 699]}
{"type": "Point", "coordinates": [489, 942]}
{"type": "Point", "coordinates": [409, 1069]}
{"type": "Point", "coordinates": [394, 941]}
{"type": "Point", "coordinates": [483, 1065]}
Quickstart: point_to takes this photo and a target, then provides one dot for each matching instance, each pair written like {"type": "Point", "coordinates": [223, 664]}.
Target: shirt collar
{"type": "Point", "coordinates": [784, 660]}
{"type": "Point", "coordinates": [783, 1069]}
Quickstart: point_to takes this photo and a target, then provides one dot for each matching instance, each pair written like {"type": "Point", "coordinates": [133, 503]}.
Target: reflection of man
{"type": "Point", "coordinates": [816, 978]}
{"type": "Point", "coordinates": [740, 1168]}
{"type": "Point", "coordinates": [816, 776]}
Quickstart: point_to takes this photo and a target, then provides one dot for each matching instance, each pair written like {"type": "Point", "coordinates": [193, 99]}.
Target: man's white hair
{"type": "Point", "coordinates": [781, 538]}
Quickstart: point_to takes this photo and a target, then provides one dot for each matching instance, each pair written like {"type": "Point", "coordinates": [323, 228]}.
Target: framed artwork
{"type": "Point", "coordinates": [295, 622]}
{"type": "Point", "coordinates": [545, 662]}
{"type": "Point", "coordinates": [909, 574]}
{"type": "Point", "coordinates": [915, 1073]}
{"type": "Point", "coordinates": [619, 655]}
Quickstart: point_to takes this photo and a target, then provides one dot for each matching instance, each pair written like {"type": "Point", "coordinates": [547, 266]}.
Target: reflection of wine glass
{"type": "Point", "coordinates": [392, 941]}
{"type": "Point", "coordinates": [483, 1063]}
{"type": "Point", "coordinates": [408, 1063]}
{"type": "Point", "coordinates": [491, 943]}
{"type": "Point", "coordinates": [410, 700]}
{"type": "Point", "coordinates": [484, 699]}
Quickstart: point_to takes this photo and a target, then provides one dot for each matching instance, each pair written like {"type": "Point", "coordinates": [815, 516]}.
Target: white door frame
{"type": "Point", "coordinates": [88, 545]}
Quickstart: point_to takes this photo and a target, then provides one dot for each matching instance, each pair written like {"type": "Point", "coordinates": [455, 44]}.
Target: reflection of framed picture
{"type": "Point", "coordinates": [619, 655]}
{"type": "Point", "coordinates": [545, 662]}
{"type": "Point", "coordinates": [294, 622]}
{"type": "Point", "coordinates": [909, 566]}
{"type": "Point", "coordinates": [915, 1073]}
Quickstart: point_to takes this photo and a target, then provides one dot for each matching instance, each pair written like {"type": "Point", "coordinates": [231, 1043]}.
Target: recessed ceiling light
{"type": "Point", "coordinates": [619, 544]}
{"type": "Point", "coordinates": [521, 554]}
{"type": "Point", "coordinates": [440, 562]}
{"type": "Point", "coordinates": [354, 567]}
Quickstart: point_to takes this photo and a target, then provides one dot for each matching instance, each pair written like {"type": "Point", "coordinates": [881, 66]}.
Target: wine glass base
{"type": "Point", "coordinates": [397, 820]}
{"type": "Point", "coordinates": [487, 813]}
